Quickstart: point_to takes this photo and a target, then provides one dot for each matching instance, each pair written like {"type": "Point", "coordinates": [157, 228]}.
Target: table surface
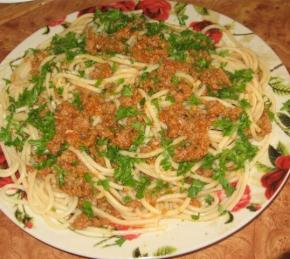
{"type": "Point", "coordinates": [266, 237]}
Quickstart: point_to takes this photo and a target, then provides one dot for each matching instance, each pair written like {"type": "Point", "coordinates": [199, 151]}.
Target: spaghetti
{"type": "Point", "coordinates": [129, 121]}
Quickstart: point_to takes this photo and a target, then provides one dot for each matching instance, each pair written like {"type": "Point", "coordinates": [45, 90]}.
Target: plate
{"type": "Point", "coordinates": [180, 237]}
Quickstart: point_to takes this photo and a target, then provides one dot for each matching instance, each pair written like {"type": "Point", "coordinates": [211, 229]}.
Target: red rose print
{"type": "Point", "coordinates": [56, 22]}
{"type": "Point", "coordinates": [272, 181]}
{"type": "Point", "coordinates": [155, 9]}
{"type": "Point", "coordinates": [124, 6]}
{"type": "Point", "coordinates": [5, 180]}
{"type": "Point", "coordinates": [29, 224]}
{"type": "Point", "coordinates": [130, 236]}
{"type": "Point", "coordinates": [127, 237]}
{"type": "Point", "coordinates": [3, 164]}
{"type": "Point", "coordinates": [245, 199]}
{"type": "Point", "coordinates": [214, 34]}
{"type": "Point", "coordinates": [2, 158]}
{"type": "Point", "coordinates": [198, 26]}
{"type": "Point", "coordinates": [91, 9]}
{"type": "Point", "coordinates": [283, 162]}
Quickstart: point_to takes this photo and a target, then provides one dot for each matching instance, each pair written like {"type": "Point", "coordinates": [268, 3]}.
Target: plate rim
{"type": "Point", "coordinates": [230, 233]}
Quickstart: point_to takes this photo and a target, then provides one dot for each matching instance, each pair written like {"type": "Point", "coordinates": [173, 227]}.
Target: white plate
{"type": "Point", "coordinates": [182, 237]}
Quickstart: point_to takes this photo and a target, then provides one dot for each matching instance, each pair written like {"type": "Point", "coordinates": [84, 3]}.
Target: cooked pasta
{"type": "Point", "coordinates": [129, 121]}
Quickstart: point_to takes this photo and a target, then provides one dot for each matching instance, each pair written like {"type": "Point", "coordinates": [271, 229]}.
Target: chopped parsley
{"type": "Point", "coordinates": [141, 136]}
{"type": "Point", "coordinates": [60, 174]}
{"type": "Point", "coordinates": [45, 123]}
{"type": "Point", "coordinates": [241, 152]}
{"type": "Point", "coordinates": [201, 64]}
{"type": "Point", "coordinates": [159, 186]}
{"type": "Point", "coordinates": [70, 44]}
{"type": "Point", "coordinates": [165, 162]}
{"type": "Point", "coordinates": [89, 63]}
{"type": "Point", "coordinates": [184, 167]}
{"type": "Point", "coordinates": [87, 208]}
{"type": "Point", "coordinates": [170, 98]}
{"type": "Point", "coordinates": [124, 166]}
{"type": "Point", "coordinates": [239, 80]}
{"type": "Point", "coordinates": [208, 199]}
{"type": "Point", "coordinates": [59, 90]}
{"type": "Point", "coordinates": [29, 96]}
{"type": "Point", "coordinates": [144, 76]}
{"type": "Point", "coordinates": [181, 43]}
{"type": "Point", "coordinates": [104, 183]}
{"type": "Point", "coordinates": [127, 91]}
{"type": "Point", "coordinates": [225, 125]}
{"type": "Point", "coordinates": [193, 100]}
{"type": "Point", "coordinates": [195, 187]}
{"type": "Point", "coordinates": [244, 104]}
{"type": "Point", "coordinates": [154, 28]}
{"type": "Point", "coordinates": [98, 82]}
{"type": "Point", "coordinates": [77, 101]}
{"type": "Point", "coordinates": [88, 177]}
{"type": "Point", "coordinates": [219, 175]}
{"type": "Point", "coordinates": [167, 153]}
{"type": "Point", "coordinates": [175, 80]}
{"type": "Point", "coordinates": [141, 186]}
{"type": "Point", "coordinates": [112, 20]}
{"type": "Point", "coordinates": [124, 112]}
{"type": "Point", "coordinates": [126, 199]}
{"type": "Point", "coordinates": [195, 216]}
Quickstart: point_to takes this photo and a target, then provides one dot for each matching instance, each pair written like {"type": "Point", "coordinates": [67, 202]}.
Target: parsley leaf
{"type": "Point", "coordinates": [208, 161]}
{"type": "Point", "coordinates": [70, 44]}
{"type": "Point", "coordinates": [225, 125]}
{"type": "Point", "coordinates": [141, 186]}
{"type": "Point", "coordinates": [45, 124]}
{"type": "Point", "coordinates": [77, 101]}
{"type": "Point", "coordinates": [208, 199]}
{"type": "Point", "coordinates": [165, 162]}
{"type": "Point", "coordinates": [159, 186]}
{"type": "Point", "coordinates": [104, 183]}
{"type": "Point", "coordinates": [140, 138]}
{"type": "Point", "coordinates": [219, 175]}
{"type": "Point", "coordinates": [112, 20]}
{"type": "Point", "coordinates": [181, 43]}
{"type": "Point", "coordinates": [195, 216]}
{"type": "Point", "coordinates": [184, 167]}
{"type": "Point", "coordinates": [60, 174]}
{"type": "Point", "coordinates": [124, 166]}
{"type": "Point", "coordinates": [87, 208]}
{"type": "Point", "coordinates": [127, 91]}
{"type": "Point", "coordinates": [244, 104]}
{"type": "Point", "coordinates": [195, 188]}
{"type": "Point", "coordinates": [124, 112]}
{"type": "Point", "coordinates": [193, 100]}
{"type": "Point", "coordinates": [175, 80]}
{"type": "Point", "coordinates": [29, 97]}
{"type": "Point", "coordinates": [154, 28]}
{"type": "Point", "coordinates": [239, 80]}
